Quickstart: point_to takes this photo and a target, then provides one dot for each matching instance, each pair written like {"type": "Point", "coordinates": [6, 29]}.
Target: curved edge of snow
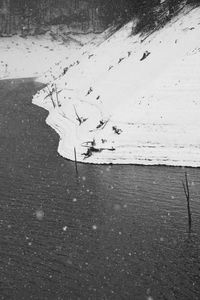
{"type": "Point", "coordinates": [124, 151]}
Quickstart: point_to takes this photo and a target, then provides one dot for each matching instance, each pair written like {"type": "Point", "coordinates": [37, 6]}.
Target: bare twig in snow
{"type": "Point", "coordinates": [51, 96]}
{"type": "Point", "coordinates": [55, 88]}
{"type": "Point", "coordinates": [79, 119]}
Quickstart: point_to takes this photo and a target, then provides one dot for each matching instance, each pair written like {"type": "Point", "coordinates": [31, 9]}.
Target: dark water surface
{"type": "Point", "coordinates": [117, 232]}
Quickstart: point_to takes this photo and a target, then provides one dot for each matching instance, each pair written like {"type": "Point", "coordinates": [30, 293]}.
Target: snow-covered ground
{"type": "Point", "coordinates": [130, 99]}
{"type": "Point", "coordinates": [124, 98]}
{"type": "Point", "coordinates": [34, 56]}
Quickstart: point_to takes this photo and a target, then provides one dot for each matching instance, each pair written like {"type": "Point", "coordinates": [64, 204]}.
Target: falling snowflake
{"type": "Point", "coordinates": [39, 215]}
{"type": "Point", "coordinates": [108, 169]}
{"type": "Point", "coordinates": [94, 227]}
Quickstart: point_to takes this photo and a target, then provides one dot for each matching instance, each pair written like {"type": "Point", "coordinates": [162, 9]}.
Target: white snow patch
{"type": "Point", "coordinates": [40, 56]}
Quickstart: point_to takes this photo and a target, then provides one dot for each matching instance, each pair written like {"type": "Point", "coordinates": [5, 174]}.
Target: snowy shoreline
{"type": "Point", "coordinates": [138, 154]}
{"type": "Point", "coordinates": [125, 123]}
{"type": "Point", "coordinates": [121, 99]}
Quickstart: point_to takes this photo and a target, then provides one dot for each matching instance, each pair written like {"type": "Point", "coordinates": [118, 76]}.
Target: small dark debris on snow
{"type": "Point", "coordinates": [78, 118]}
{"type": "Point", "coordinates": [89, 91]}
{"type": "Point", "coordinates": [103, 141]}
{"type": "Point", "coordinates": [90, 56]}
{"type": "Point", "coordinates": [71, 65]}
{"type": "Point", "coordinates": [129, 53]}
{"type": "Point", "coordinates": [146, 53]}
{"type": "Point", "coordinates": [101, 123]}
{"type": "Point", "coordinates": [110, 68]}
{"type": "Point", "coordinates": [82, 120]}
{"type": "Point", "coordinates": [116, 130]}
{"type": "Point", "coordinates": [90, 151]}
{"type": "Point", "coordinates": [93, 143]}
{"type": "Point", "coordinates": [98, 97]}
{"type": "Point", "coordinates": [65, 70]}
{"type": "Point", "coordinates": [120, 60]}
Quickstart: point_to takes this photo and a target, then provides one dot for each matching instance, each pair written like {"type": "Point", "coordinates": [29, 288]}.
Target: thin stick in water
{"type": "Point", "coordinates": [187, 195]}
{"type": "Point", "coordinates": [75, 160]}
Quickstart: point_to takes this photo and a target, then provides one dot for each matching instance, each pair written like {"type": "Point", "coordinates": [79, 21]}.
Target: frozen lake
{"type": "Point", "coordinates": [114, 232]}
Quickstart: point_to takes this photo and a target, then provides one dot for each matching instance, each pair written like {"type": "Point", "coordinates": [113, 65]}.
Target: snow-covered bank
{"type": "Point", "coordinates": [131, 100]}
{"type": "Point", "coordinates": [36, 56]}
